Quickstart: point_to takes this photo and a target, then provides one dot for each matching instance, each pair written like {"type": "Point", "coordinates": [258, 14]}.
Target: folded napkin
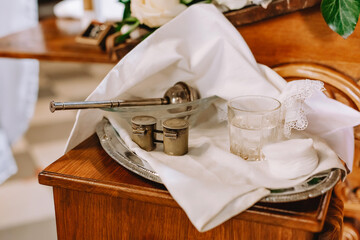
{"type": "Point", "coordinates": [292, 158]}
{"type": "Point", "coordinates": [203, 49]}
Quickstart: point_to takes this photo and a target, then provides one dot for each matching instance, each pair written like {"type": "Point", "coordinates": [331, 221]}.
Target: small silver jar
{"type": "Point", "coordinates": [175, 136]}
{"type": "Point", "coordinates": [143, 131]}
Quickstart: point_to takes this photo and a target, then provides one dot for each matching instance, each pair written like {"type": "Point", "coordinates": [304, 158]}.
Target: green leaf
{"type": "Point", "coordinates": [147, 34]}
{"type": "Point", "coordinates": [190, 2]}
{"type": "Point", "coordinates": [118, 26]}
{"type": "Point", "coordinates": [341, 15]}
{"type": "Point", "coordinates": [186, 1]}
{"type": "Point", "coordinates": [130, 20]}
{"type": "Point", "coordinates": [126, 35]}
{"type": "Point", "coordinates": [127, 10]}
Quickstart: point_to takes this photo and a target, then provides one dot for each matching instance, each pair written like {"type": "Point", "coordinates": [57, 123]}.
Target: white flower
{"type": "Point", "coordinates": [232, 4]}
{"type": "Point", "coordinates": [226, 5]}
{"type": "Point", "coordinates": [155, 13]}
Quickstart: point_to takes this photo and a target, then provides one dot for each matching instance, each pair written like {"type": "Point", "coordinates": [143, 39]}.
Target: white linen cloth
{"type": "Point", "coordinates": [292, 158]}
{"type": "Point", "coordinates": [18, 82]}
{"type": "Point", "coordinates": [203, 49]}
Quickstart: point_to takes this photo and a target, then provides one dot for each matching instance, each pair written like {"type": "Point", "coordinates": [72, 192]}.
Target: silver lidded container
{"type": "Point", "coordinates": [143, 132]}
{"type": "Point", "coordinates": [176, 135]}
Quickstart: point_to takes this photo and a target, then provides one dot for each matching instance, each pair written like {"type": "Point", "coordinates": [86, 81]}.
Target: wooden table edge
{"type": "Point", "coordinates": [55, 57]}
{"type": "Point", "coordinates": [163, 197]}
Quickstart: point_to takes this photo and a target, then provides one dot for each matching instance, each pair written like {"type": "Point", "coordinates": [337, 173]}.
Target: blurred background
{"type": "Point", "coordinates": [26, 207]}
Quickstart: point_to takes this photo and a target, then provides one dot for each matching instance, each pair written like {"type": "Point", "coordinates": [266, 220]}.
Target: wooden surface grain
{"type": "Point", "coordinates": [82, 215]}
{"type": "Point", "coordinates": [252, 14]}
{"type": "Point", "coordinates": [303, 36]}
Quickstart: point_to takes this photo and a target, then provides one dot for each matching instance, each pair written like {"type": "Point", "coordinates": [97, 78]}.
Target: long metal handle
{"type": "Point", "coordinates": [54, 106]}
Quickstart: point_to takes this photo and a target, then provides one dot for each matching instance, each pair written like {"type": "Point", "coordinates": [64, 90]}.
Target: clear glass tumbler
{"type": "Point", "coordinates": [253, 122]}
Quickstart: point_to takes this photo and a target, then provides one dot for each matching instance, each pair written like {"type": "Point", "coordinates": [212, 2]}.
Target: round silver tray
{"type": "Point", "coordinates": [115, 147]}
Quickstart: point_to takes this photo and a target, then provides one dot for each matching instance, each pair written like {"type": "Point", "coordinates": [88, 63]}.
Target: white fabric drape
{"type": "Point", "coordinates": [18, 82]}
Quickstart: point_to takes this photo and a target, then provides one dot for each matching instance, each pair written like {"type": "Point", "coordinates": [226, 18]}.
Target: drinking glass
{"type": "Point", "coordinates": [253, 122]}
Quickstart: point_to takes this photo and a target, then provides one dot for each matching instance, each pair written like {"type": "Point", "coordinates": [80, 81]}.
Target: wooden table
{"type": "Point", "coordinates": [303, 36]}
{"type": "Point", "coordinates": [96, 198]}
{"type": "Point", "coordinates": [53, 39]}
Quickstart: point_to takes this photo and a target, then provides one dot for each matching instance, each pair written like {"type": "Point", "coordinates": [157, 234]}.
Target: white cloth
{"type": "Point", "coordinates": [104, 10]}
{"type": "Point", "coordinates": [108, 10]}
{"type": "Point", "coordinates": [202, 48]}
{"type": "Point", "coordinates": [305, 107]}
{"type": "Point", "coordinates": [293, 98]}
{"type": "Point", "coordinates": [18, 82]}
{"type": "Point", "coordinates": [292, 158]}
{"type": "Point", "coordinates": [69, 9]}
{"type": "Point", "coordinates": [210, 183]}
{"type": "Point", "coordinates": [334, 122]}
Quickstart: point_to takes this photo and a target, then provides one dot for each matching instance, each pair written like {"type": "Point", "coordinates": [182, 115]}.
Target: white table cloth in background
{"type": "Point", "coordinates": [18, 82]}
{"type": "Point", "coordinates": [103, 10]}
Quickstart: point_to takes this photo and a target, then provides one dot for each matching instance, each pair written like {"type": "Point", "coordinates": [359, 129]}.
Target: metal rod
{"type": "Point", "coordinates": [178, 93]}
{"type": "Point", "coordinates": [55, 106]}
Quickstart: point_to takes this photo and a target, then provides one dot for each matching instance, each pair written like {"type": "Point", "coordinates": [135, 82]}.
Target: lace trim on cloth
{"type": "Point", "coordinates": [293, 108]}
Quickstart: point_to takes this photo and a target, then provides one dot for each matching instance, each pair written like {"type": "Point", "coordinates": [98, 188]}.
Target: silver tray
{"type": "Point", "coordinates": [115, 147]}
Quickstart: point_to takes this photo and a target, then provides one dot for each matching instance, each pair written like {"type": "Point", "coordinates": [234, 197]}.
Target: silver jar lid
{"type": "Point", "coordinates": [175, 123]}
{"type": "Point", "coordinates": [143, 120]}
